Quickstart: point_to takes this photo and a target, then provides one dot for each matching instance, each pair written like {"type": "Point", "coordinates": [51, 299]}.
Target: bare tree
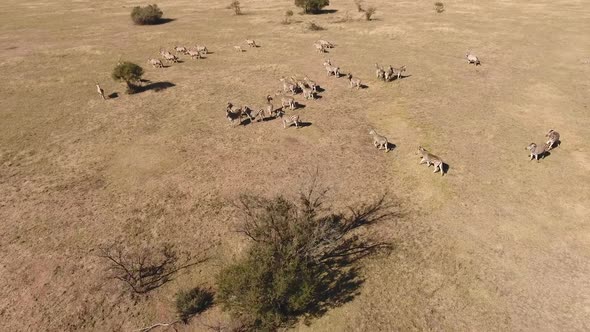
{"type": "Point", "coordinates": [236, 7]}
{"type": "Point", "coordinates": [144, 269]}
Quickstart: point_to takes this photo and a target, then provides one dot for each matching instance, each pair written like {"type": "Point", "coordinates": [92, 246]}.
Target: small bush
{"type": "Point", "coordinates": [369, 12]}
{"type": "Point", "coordinates": [302, 258]}
{"type": "Point", "coordinates": [288, 15]}
{"type": "Point", "coordinates": [314, 27]}
{"type": "Point", "coordinates": [359, 5]}
{"type": "Point", "coordinates": [192, 302]}
{"type": "Point", "coordinates": [439, 7]}
{"type": "Point", "coordinates": [129, 73]}
{"type": "Point", "coordinates": [235, 5]}
{"type": "Point", "coordinates": [312, 6]}
{"type": "Point", "coordinates": [150, 14]}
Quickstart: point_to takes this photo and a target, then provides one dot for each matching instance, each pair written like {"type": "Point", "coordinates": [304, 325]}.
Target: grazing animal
{"type": "Point", "coordinates": [194, 54]}
{"type": "Point", "coordinates": [169, 56]}
{"type": "Point", "coordinates": [100, 91]}
{"type": "Point", "coordinates": [238, 48]}
{"type": "Point", "coordinates": [233, 115]}
{"type": "Point", "coordinates": [379, 141]}
{"type": "Point", "coordinates": [156, 63]}
{"type": "Point", "coordinates": [291, 120]}
{"type": "Point", "coordinates": [308, 93]}
{"type": "Point", "coordinates": [354, 82]}
{"type": "Point", "coordinates": [270, 109]}
{"type": "Point", "coordinates": [202, 48]}
{"type": "Point", "coordinates": [471, 58]}
{"type": "Point", "coordinates": [431, 159]}
{"type": "Point", "coordinates": [331, 70]}
{"type": "Point", "coordinates": [325, 43]}
{"type": "Point", "coordinates": [288, 86]}
{"type": "Point", "coordinates": [180, 49]}
{"type": "Point", "coordinates": [251, 43]}
{"type": "Point", "coordinates": [553, 138]}
{"type": "Point", "coordinates": [379, 72]}
{"type": "Point", "coordinates": [319, 48]}
{"type": "Point", "coordinates": [394, 72]}
{"type": "Point", "coordinates": [312, 85]}
{"type": "Point", "coordinates": [288, 102]}
{"type": "Point", "coordinates": [537, 151]}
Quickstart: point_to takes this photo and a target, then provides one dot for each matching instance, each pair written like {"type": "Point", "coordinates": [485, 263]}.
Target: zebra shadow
{"type": "Point", "coordinates": [364, 86]}
{"type": "Point", "coordinates": [391, 146]}
{"type": "Point", "coordinates": [304, 124]}
{"type": "Point", "coordinates": [113, 95]}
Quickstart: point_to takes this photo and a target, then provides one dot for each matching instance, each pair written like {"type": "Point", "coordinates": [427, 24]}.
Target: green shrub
{"type": "Point", "coordinates": [129, 73]}
{"type": "Point", "coordinates": [300, 261]}
{"type": "Point", "coordinates": [288, 15]}
{"type": "Point", "coordinates": [369, 13]}
{"type": "Point", "coordinates": [439, 7]}
{"type": "Point", "coordinates": [150, 14]}
{"type": "Point", "coordinates": [192, 302]}
{"type": "Point", "coordinates": [312, 6]}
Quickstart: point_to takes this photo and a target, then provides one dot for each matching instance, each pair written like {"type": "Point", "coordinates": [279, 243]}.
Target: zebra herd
{"type": "Point", "coordinates": [310, 89]}
{"type": "Point", "coordinates": [196, 52]}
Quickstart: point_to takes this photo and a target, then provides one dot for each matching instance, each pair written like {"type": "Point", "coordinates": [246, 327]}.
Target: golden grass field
{"type": "Point", "coordinates": [499, 243]}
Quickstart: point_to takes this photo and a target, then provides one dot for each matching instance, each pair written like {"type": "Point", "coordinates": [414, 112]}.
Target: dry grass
{"type": "Point", "coordinates": [485, 247]}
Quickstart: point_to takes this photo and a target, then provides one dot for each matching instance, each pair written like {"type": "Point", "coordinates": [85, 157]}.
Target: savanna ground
{"type": "Point", "coordinates": [499, 243]}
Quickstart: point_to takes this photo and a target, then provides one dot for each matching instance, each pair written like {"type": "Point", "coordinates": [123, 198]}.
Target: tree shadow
{"type": "Point", "coordinates": [157, 86]}
{"type": "Point", "coordinates": [402, 77]}
{"type": "Point", "coordinates": [324, 11]}
{"type": "Point", "coordinates": [164, 21]}
{"type": "Point", "coordinates": [113, 95]}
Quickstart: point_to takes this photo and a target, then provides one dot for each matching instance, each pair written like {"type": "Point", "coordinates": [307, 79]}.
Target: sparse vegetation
{"type": "Point", "coordinates": [301, 261]}
{"type": "Point", "coordinates": [312, 26]}
{"type": "Point", "coordinates": [236, 7]}
{"type": "Point", "coordinates": [192, 302]}
{"type": "Point", "coordinates": [312, 6]}
{"type": "Point", "coordinates": [359, 5]}
{"type": "Point", "coordinates": [129, 73]}
{"type": "Point", "coordinates": [369, 12]}
{"type": "Point", "coordinates": [146, 268]}
{"type": "Point", "coordinates": [149, 14]}
{"type": "Point", "coordinates": [288, 15]}
{"type": "Point", "coordinates": [439, 7]}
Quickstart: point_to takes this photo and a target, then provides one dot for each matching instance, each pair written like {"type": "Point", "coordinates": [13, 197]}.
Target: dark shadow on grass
{"type": "Point", "coordinates": [446, 167]}
{"type": "Point", "coordinates": [113, 95]}
{"type": "Point", "coordinates": [391, 146]}
{"type": "Point", "coordinates": [164, 21]}
{"type": "Point", "coordinates": [319, 89]}
{"type": "Point", "coordinates": [157, 87]}
{"type": "Point", "coordinates": [364, 86]}
{"type": "Point", "coordinates": [324, 11]}
{"type": "Point", "coordinates": [304, 124]}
